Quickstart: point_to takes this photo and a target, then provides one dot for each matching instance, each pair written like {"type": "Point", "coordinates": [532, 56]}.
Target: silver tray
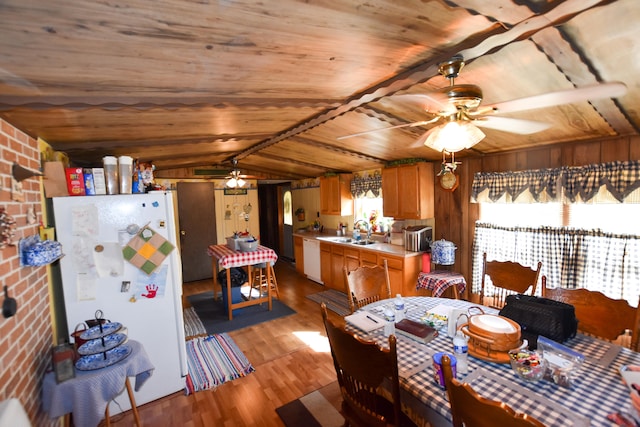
{"type": "Point", "coordinates": [102, 360]}
{"type": "Point", "coordinates": [96, 346]}
{"type": "Point", "coordinates": [107, 329]}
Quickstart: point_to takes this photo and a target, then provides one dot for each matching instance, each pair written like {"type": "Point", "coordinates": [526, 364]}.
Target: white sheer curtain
{"type": "Point", "coordinates": [592, 259]}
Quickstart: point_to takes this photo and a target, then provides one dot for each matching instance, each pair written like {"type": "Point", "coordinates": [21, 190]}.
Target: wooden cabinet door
{"type": "Point", "coordinates": [409, 200]}
{"type": "Point", "coordinates": [335, 195]}
{"type": "Point", "coordinates": [298, 254]}
{"type": "Point", "coordinates": [325, 264]}
{"type": "Point", "coordinates": [390, 192]}
{"type": "Point", "coordinates": [337, 262]}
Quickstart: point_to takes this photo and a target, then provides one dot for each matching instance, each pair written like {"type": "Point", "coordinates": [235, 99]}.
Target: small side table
{"type": "Point", "coordinates": [439, 281]}
{"type": "Point", "coordinates": [87, 396]}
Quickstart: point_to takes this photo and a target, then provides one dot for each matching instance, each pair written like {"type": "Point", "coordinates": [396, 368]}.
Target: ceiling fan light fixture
{"type": "Point", "coordinates": [235, 181]}
{"type": "Point", "coordinates": [454, 136]}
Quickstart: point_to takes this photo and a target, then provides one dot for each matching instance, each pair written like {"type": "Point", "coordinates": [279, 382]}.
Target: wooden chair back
{"type": "Point", "coordinates": [597, 314]}
{"type": "Point", "coordinates": [470, 409]}
{"type": "Point", "coordinates": [362, 367]}
{"type": "Point", "coordinates": [366, 285]}
{"type": "Point", "coordinates": [507, 278]}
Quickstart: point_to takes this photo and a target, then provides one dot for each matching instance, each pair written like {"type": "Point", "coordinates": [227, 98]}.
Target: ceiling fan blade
{"type": "Point", "coordinates": [507, 124]}
{"type": "Point", "coordinates": [584, 93]}
{"type": "Point", "coordinates": [404, 125]}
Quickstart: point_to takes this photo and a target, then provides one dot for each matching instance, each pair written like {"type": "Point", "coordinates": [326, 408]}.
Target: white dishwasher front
{"type": "Point", "coordinates": [311, 254]}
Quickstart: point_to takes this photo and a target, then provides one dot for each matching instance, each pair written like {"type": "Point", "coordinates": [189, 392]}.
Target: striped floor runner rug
{"type": "Point", "coordinates": [192, 324]}
{"type": "Point", "coordinates": [335, 300]}
{"type": "Point", "coordinates": [214, 360]}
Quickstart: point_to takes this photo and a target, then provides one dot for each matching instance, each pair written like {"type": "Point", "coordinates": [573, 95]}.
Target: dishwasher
{"type": "Point", "coordinates": [311, 254]}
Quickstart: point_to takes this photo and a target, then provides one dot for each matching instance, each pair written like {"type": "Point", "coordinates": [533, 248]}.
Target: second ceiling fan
{"type": "Point", "coordinates": [459, 110]}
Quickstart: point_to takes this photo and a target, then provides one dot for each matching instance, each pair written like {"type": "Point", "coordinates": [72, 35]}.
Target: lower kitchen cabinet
{"type": "Point", "coordinates": [298, 254]}
{"type": "Point", "coordinates": [325, 263]}
{"type": "Point", "coordinates": [403, 270]}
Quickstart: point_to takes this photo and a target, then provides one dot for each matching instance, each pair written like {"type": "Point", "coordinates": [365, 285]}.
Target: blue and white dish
{"type": "Point", "coordinates": [97, 346]}
{"type": "Point", "coordinates": [107, 329]}
{"type": "Point", "coordinates": [102, 360]}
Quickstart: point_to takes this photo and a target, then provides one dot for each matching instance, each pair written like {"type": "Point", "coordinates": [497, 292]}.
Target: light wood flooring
{"type": "Point", "coordinates": [286, 367]}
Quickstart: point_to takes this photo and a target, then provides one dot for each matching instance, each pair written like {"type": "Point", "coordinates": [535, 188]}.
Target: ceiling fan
{"type": "Point", "coordinates": [459, 111]}
{"type": "Point", "coordinates": [235, 179]}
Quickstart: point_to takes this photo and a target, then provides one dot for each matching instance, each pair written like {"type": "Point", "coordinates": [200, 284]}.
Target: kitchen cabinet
{"type": "Point", "coordinates": [335, 195]}
{"type": "Point", "coordinates": [408, 191]}
{"type": "Point", "coordinates": [298, 254]}
{"type": "Point", "coordinates": [403, 273]}
{"type": "Point", "coordinates": [337, 262]}
{"type": "Point", "coordinates": [325, 263]}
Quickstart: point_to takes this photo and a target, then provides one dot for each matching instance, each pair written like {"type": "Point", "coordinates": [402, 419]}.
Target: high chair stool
{"type": "Point", "coordinates": [258, 279]}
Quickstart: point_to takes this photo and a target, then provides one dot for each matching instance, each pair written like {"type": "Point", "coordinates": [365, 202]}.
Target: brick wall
{"type": "Point", "coordinates": [26, 338]}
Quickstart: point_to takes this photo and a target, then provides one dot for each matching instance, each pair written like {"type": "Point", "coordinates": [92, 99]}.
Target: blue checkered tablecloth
{"type": "Point", "coordinates": [597, 391]}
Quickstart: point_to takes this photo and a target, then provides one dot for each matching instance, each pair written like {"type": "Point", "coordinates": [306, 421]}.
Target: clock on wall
{"type": "Point", "coordinates": [449, 180]}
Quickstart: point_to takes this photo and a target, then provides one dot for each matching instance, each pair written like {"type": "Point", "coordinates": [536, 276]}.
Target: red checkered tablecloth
{"type": "Point", "coordinates": [228, 258]}
{"type": "Point", "coordinates": [440, 280]}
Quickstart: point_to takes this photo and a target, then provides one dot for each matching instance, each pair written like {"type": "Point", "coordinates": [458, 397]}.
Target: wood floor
{"type": "Point", "coordinates": [286, 367]}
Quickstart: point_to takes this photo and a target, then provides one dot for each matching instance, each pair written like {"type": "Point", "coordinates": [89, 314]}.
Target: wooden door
{"type": "Point", "coordinates": [197, 221]}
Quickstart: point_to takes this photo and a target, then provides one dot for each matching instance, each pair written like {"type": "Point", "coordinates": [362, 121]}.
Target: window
{"type": "Point", "coordinates": [594, 246]}
{"type": "Point", "coordinates": [370, 209]}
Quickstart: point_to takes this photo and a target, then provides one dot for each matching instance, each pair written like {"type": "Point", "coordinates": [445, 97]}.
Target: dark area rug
{"type": "Point", "coordinates": [216, 321]}
{"type": "Point", "coordinates": [335, 300]}
{"type": "Point", "coordinates": [312, 410]}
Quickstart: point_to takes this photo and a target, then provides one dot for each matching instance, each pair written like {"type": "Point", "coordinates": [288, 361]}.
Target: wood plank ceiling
{"type": "Point", "coordinates": [192, 84]}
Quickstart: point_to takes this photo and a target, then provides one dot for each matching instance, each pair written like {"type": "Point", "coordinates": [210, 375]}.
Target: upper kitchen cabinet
{"type": "Point", "coordinates": [407, 191]}
{"type": "Point", "coordinates": [335, 195]}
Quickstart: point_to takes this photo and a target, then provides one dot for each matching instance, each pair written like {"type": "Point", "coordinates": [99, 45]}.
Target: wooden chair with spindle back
{"type": "Point", "coordinates": [598, 315]}
{"type": "Point", "coordinates": [363, 368]}
{"type": "Point", "coordinates": [470, 409]}
{"type": "Point", "coordinates": [507, 278]}
{"type": "Point", "coordinates": [366, 285]}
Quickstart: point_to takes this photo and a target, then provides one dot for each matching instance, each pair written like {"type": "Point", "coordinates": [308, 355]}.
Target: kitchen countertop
{"type": "Point", "coordinates": [388, 248]}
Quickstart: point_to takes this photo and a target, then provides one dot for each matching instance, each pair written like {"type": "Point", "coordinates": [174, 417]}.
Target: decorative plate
{"type": "Point", "coordinates": [102, 360]}
{"type": "Point", "coordinates": [107, 329]}
{"type": "Point", "coordinates": [97, 346]}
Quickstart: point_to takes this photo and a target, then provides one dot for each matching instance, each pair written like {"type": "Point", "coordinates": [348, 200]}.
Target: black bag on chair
{"type": "Point", "coordinates": [541, 316]}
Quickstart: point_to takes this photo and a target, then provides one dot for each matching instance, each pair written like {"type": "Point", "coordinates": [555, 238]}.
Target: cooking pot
{"type": "Point", "coordinates": [443, 252]}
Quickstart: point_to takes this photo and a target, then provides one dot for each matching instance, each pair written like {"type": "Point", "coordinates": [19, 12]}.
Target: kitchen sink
{"type": "Point", "coordinates": [364, 242]}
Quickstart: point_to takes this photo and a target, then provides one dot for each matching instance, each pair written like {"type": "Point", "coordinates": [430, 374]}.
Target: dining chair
{"type": "Point", "coordinates": [507, 278]}
{"type": "Point", "coordinates": [598, 315]}
{"type": "Point", "coordinates": [367, 284]}
{"type": "Point", "coordinates": [468, 408]}
{"type": "Point", "coordinates": [363, 369]}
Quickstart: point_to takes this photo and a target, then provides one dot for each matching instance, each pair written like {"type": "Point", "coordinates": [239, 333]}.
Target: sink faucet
{"type": "Point", "coordinates": [366, 224]}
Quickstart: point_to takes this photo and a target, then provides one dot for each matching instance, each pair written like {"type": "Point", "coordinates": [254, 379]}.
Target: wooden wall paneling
{"type": "Point", "coordinates": [536, 159]}
{"type": "Point", "coordinates": [614, 149]}
{"type": "Point", "coordinates": [491, 163]}
{"type": "Point", "coordinates": [555, 157]}
{"type": "Point", "coordinates": [473, 214]}
{"type": "Point", "coordinates": [585, 154]}
{"type": "Point", "coordinates": [634, 147]}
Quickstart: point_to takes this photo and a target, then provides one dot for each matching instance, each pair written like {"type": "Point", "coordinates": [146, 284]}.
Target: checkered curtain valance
{"type": "Point", "coordinates": [600, 183]}
{"type": "Point", "coordinates": [367, 185]}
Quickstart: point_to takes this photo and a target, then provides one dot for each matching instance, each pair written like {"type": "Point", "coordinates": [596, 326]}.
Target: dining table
{"type": "Point", "coordinates": [225, 257]}
{"type": "Point", "coordinates": [595, 392]}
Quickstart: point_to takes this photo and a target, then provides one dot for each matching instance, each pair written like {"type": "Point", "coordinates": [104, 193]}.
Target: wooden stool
{"type": "Point", "coordinates": [258, 278]}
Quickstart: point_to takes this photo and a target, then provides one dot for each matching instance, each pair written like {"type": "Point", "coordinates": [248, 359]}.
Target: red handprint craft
{"type": "Point", "coordinates": [151, 291]}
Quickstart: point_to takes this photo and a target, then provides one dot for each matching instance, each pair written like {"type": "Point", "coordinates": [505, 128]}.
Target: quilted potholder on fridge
{"type": "Point", "coordinates": [147, 250]}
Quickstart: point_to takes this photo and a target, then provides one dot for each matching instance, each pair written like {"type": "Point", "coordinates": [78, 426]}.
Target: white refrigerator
{"type": "Point", "coordinates": [145, 299]}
